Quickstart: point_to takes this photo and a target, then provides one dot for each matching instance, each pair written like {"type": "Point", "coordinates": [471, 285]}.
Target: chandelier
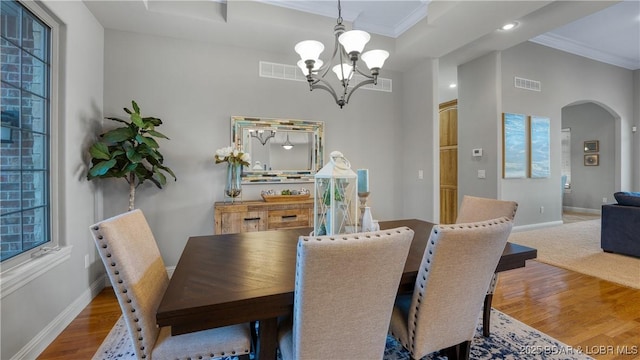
{"type": "Point", "coordinates": [347, 50]}
{"type": "Point", "coordinates": [262, 136]}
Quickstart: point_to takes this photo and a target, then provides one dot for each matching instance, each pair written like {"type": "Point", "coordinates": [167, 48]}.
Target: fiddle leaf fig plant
{"type": "Point", "coordinates": [130, 152]}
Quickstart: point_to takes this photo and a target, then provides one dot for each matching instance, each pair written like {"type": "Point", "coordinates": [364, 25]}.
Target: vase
{"type": "Point", "coordinates": [367, 220]}
{"type": "Point", "coordinates": [233, 188]}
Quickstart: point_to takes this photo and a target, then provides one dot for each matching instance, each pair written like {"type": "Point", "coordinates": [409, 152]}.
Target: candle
{"type": "Point", "coordinates": [363, 180]}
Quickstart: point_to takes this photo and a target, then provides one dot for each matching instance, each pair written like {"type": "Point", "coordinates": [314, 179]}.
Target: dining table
{"type": "Point", "coordinates": [228, 279]}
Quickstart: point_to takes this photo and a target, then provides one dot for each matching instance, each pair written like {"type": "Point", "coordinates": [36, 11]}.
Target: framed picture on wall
{"type": "Point", "coordinates": [591, 160]}
{"type": "Point", "coordinates": [514, 146]}
{"type": "Point", "coordinates": [539, 147]}
{"type": "Point", "coordinates": [591, 146]}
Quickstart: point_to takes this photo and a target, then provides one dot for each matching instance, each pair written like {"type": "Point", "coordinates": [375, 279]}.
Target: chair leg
{"type": "Point", "coordinates": [486, 315]}
{"type": "Point", "coordinates": [458, 352]}
{"type": "Point", "coordinates": [451, 352]}
{"type": "Point", "coordinates": [254, 333]}
{"type": "Point", "coordinates": [464, 350]}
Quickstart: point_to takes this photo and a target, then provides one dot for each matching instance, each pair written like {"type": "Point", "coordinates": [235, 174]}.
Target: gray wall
{"type": "Point", "coordinates": [590, 184]}
{"type": "Point", "coordinates": [38, 308]}
{"type": "Point", "coordinates": [419, 138]}
{"type": "Point", "coordinates": [566, 79]}
{"type": "Point", "coordinates": [196, 87]}
{"type": "Point", "coordinates": [478, 120]}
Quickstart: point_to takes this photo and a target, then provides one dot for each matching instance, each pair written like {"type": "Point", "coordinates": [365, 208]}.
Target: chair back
{"type": "Point", "coordinates": [345, 289]}
{"type": "Point", "coordinates": [137, 273]}
{"type": "Point", "coordinates": [456, 268]}
{"type": "Point", "coordinates": [473, 209]}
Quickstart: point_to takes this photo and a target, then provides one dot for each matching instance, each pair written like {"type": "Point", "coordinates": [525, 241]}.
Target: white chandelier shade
{"type": "Point", "coordinates": [343, 71]}
{"type": "Point", "coordinates": [354, 41]}
{"type": "Point", "coordinates": [348, 49]}
{"type": "Point", "coordinates": [309, 49]}
{"type": "Point", "coordinates": [375, 58]}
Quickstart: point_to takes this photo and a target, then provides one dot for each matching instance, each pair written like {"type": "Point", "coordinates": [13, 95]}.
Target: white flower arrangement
{"type": "Point", "coordinates": [232, 155]}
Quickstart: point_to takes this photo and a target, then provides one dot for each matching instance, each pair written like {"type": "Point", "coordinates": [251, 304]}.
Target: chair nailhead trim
{"type": "Point", "coordinates": [103, 246]}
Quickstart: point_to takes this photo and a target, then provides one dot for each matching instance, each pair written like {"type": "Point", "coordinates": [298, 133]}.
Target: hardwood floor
{"type": "Point", "coordinates": [582, 311]}
{"type": "Point", "coordinates": [598, 316]}
{"type": "Point", "coordinates": [83, 336]}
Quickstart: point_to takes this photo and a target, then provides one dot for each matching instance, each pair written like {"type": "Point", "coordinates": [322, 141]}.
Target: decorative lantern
{"type": "Point", "coordinates": [336, 197]}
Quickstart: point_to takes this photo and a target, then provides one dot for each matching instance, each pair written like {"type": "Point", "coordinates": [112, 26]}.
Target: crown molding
{"type": "Point", "coordinates": [581, 49]}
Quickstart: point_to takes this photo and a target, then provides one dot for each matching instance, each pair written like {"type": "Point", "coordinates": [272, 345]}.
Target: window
{"type": "Point", "coordinates": [25, 177]}
{"type": "Point", "coordinates": [565, 171]}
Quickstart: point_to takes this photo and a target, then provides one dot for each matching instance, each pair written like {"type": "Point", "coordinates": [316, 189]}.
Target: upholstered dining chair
{"type": "Point", "coordinates": [474, 209]}
{"type": "Point", "coordinates": [456, 268]}
{"type": "Point", "coordinates": [345, 289]}
{"type": "Point", "coordinates": [137, 273]}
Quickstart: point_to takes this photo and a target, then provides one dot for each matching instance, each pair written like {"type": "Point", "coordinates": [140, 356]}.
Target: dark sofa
{"type": "Point", "coordinates": [620, 230]}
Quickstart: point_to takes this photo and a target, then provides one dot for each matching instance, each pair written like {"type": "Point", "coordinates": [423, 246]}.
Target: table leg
{"type": "Point", "coordinates": [267, 339]}
{"type": "Point", "coordinates": [486, 315]}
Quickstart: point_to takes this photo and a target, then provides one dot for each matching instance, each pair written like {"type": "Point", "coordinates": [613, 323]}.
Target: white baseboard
{"type": "Point", "coordinates": [46, 336]}
{"type": "Point", "coordinates": [170, 270]}
{"type": "Point", "coordinates": [582, 210]}
{"type": "Point", "coordinates": [536, 226]}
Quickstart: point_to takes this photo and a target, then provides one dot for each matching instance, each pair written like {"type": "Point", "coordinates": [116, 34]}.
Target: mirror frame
{"type": "Point", "coordinates": [239, 123]}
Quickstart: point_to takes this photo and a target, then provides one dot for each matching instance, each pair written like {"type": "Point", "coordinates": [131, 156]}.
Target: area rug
{"type": "Point", "coordinates": [576, 247]}
{"type": "Point", "coordinates": [509, 339]}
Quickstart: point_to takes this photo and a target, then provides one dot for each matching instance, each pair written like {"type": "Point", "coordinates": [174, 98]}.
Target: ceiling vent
{"type": "Point", "coordinates": [292, 72]}
{"type": "Point", "coordinates": [522, 83]}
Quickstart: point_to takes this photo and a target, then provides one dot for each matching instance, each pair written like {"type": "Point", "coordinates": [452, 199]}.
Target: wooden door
{"type": "Point", "coordinates": [448, 162]}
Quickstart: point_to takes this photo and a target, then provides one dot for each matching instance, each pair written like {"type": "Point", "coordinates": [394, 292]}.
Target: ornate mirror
{"type": "Point", "coordinates": [282, 150]}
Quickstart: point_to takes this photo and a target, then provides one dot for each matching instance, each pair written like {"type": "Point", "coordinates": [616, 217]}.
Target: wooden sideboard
{"type": "Point", "coordinates": [247, 216]}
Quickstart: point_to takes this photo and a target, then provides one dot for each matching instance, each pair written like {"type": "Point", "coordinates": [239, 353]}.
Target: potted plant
{"type": "Point", "coordinates": [130, 152]}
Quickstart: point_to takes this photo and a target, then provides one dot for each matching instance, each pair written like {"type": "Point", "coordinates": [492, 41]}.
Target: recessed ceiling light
{"type": "Point", "coordinates": [509, 26]}
{"type": "Point", "coordinates": [452, 85]}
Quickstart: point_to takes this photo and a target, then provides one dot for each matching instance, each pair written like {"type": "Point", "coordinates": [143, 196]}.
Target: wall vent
{"type": "Point", "coordinates": [281, 71]}
{"type": "Point", "coordinates": [291, 72]}
{"type": "Point", "coordinates": [522, 83]}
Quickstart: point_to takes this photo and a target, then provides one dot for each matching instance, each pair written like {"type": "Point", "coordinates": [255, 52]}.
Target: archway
{"type": "Point", "coordinates": [589, 156]}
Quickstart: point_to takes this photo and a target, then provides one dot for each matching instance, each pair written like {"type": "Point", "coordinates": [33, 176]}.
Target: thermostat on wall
{"type": "Point", "coordinates": [477, 152]}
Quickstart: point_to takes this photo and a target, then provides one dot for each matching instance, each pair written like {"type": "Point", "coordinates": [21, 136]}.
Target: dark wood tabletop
{"type": "Point", "coordinates": [235, 278]}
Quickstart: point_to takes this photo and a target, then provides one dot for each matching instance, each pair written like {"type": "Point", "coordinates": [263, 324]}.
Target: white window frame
{"type": "Point", "coordinates": [566, 159]}
{"type": "Point", "coordinates": [21, 269]}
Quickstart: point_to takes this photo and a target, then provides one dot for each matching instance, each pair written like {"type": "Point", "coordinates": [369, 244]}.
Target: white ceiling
{"type": "Point", "coordinates": [454, 31]}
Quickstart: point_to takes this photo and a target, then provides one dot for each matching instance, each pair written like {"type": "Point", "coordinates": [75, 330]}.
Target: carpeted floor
{"type": "Point", "coordinates": [576, 246]}
{"type": "Point", "coordinates": [509, 339]}
{"type": "Point", "coordinates": [571, 217]}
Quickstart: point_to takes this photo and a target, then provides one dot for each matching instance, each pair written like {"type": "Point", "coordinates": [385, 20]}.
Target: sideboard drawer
{"type": "Point", "coordinates": [289, 218]}
{"type": "Point", "coordinates": [239, 222]}
{"type": "Point", "coordinates": [247, 216]}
